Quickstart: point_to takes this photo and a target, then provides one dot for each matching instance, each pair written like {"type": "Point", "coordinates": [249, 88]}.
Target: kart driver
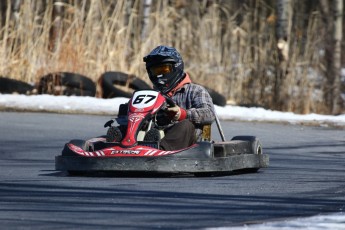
{"type": "Point", "coordinates": [193, 104]}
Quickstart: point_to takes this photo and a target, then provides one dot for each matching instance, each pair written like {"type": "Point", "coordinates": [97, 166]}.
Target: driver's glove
{"type": "Point", "coordinates": [176, 113]}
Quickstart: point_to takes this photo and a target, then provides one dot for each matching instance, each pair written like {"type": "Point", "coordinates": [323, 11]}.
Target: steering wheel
{"type": "Point", "coordinates": [162, 120]}
{"type": "Point", "coordinates": [169, 101]}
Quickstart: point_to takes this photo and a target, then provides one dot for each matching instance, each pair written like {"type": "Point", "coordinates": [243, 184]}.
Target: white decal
{"type": "Point", "coordinates": [131, 152]}
{"type": "Point", "coordinates": [144, 99]}
{"type": "Point", "coordinates": [134, 118]}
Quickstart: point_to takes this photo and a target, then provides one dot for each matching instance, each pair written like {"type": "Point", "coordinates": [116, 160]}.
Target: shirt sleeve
{"type": "Point", "coordinates": [201, 111]}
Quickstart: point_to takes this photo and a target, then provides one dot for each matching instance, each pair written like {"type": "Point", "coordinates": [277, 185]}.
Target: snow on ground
{"type": "Point", "coordinates": [321, 222]}
{"type": "Point", "coordinates": [91, 105]}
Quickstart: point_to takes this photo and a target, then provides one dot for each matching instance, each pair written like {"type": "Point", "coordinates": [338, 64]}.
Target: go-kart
{"type": "Point", "coordinates": [133, 153]}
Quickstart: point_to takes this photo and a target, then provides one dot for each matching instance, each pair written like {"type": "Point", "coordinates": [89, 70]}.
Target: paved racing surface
{"type": "Point", "coordinates": [305, 178]}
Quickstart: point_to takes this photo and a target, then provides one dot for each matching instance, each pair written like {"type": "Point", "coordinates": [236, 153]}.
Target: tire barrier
{"type": "Point", "coordinates": [9, 86]}
{"type": "Point", "coordinates": [119, 84]}
{"type": "Point", "coordinates": [113, 84]}
{"type": "Point", "coordinates": [217, 98]}
{"type": "Point", "coordinates": [65, 83]}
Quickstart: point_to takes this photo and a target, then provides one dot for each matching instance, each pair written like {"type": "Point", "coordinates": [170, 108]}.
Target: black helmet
{"type": "Point", "coordinates": [165, 68]}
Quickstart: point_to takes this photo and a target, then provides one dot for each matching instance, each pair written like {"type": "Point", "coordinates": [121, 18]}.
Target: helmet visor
{"type": "Point", "coordinates": [161, 69]}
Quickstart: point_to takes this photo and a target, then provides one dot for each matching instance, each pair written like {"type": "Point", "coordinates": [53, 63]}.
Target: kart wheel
{"type": "Point", "coordinates": [153, 135]}
{"type": "Point", "coordinates": [114, 134]}
{"type": "Point", "coordinates": [256, 149]}
{"type": "Point", "coordinates": [256, 145]}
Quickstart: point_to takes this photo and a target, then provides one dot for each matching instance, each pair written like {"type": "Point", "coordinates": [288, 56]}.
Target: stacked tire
{"type": "Point", "coordinates": [118, 84]}
{"type": "Point", "coordinates": [66, 83]}
{"type": "Point", "coordinates": [112, 84]}
{"type": "Point", "coordinates": [11, 86]}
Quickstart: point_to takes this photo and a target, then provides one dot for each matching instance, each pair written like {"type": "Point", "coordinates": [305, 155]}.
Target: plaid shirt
{"type": "Point", "coordinates": [196, 100]}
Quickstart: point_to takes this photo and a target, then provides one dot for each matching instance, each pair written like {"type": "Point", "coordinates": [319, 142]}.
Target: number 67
{"type": "Point", "coordinates": [139, 99]}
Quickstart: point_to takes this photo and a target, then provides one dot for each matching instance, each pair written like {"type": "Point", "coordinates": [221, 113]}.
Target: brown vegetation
{"type": "Point", "coordinates": [230, 46]}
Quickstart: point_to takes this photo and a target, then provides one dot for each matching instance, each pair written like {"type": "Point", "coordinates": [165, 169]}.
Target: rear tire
{"type": "Point", "coordinates": [217, 98]}
{"type": "Point", "coordinates": [256, 145]}
{"type": "Point", "coordinates": [256, 148]}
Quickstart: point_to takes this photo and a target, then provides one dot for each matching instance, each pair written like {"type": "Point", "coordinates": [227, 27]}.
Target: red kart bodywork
{"type": "Point", "coordinates": [131, 155]}
{"type": "Point", "coordinates": [119, 151]}
{"type": "Point", "coordinates": [142, 105]}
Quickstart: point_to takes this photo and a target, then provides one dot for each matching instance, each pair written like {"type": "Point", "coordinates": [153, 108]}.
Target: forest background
{"type": "Point", "coordinates": [280, 54]}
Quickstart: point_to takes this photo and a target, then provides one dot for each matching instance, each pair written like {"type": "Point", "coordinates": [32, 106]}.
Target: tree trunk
{"type": "Point", "coordinates": [146, 18]}
{"type": "Point", "coordinates": [15, 9]}
{"type": "Point", "coordinates": [332, 15]}
{"type": "Point", "coordinates": [284, 12]}
{"type": "Point", "coordinates": [56, 29]}
{"type": "Point", "coordinates": [337, 103]}
{"type": "Point", "coordinates": [283, 28]}
{"type": "Point", "coordinates": [4, 5]}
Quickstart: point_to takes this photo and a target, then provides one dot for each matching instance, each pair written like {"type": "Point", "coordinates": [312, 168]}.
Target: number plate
{"type": "Point", "coordinates": [144, 99]}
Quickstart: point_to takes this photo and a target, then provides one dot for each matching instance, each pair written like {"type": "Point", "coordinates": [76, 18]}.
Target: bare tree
{"type": "Point", "coordinates": [333, 18]}
{"type": "Point", "coordinates": [283, 29]}
{"type": "Point", "coordinates": [146, 14]}
{"type": "Point", "coordinates": [56, 29]}
{"type": "Point", "coordinates": [15, 5]}
{"type": "Point", "coordinates": [3, 9]}
{"type": "Point", "coordinates": [337, 38]}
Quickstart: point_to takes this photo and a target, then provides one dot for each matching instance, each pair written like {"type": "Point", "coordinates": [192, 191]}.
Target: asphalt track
{"type": "Point", "coordinates": [306, 177]}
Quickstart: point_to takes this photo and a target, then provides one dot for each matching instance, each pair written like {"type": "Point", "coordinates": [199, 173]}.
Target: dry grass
{"type": "Point", "coordinates": [239, 60]}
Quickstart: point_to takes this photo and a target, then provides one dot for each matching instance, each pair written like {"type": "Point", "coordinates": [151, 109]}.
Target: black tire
{"type": "Point", "coordinates": [66, 83]}
{"type": "Point", "coordinates": [114, 134]}
{"type": "Point", "coordinates": [68, 91]}
{"type": "Point", "coordinates": [256, 149]}
{"type": "Point", "coordinates": [79, 82]}
{"type": "Point", "coordinates": [255, 143]}
{"type": "Point", "coordinates": [109, 80]}
{"type": "Point", "coordinates": [10, 86]}
{"type": "Point", "coordinates": [217, 98]}
{"type": "Point", "coordinates": [138, 84]}
{"type": "Point", "coordinates": [153, 135]}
